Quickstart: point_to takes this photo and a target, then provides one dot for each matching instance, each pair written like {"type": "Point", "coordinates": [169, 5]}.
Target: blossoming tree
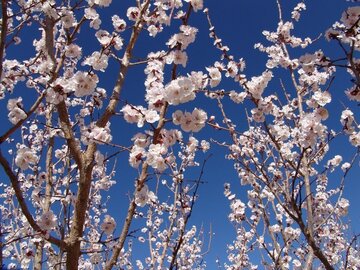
{"type": "Point", "coordinates": [60, 151]}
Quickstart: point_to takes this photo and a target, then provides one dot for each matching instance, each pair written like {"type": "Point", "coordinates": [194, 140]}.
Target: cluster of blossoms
{"type": "Point", "coordinates": [93, 133]}
{"type": "Point", "coordinates": [25, 156]}
{"type": "Point", "coordinates": [277, 160]}
{"type": "Point", "coordinates": [348, 121]}
{"type": "Point", "coordinates": [257, 85]}
{"type": "Point", "coordinates": [144, 196]}
{"type": "Point", "coordinates": [139, 115]}
{"type": "Point", "coordinates": [47, 221]}
{"type": "Point", "coordinates": [190, 122]}
{"type": "Point", "coordinates": [108, 225]}
{"type": "Point", "coordinates": [16, 112]}
{"type": "Point", "coordinates": [179, 91]}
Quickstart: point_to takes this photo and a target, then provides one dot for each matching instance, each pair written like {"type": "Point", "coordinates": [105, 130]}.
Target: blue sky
{"type": "Point", "coordinates": [239, 23]}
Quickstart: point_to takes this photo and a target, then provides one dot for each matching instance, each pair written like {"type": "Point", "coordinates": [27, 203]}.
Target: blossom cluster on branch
{"type": "Point", "coordinates": [67, 133]}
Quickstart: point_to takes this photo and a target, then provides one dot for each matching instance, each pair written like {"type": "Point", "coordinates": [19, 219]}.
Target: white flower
{"type": "Point", "coordinates": [194, 121]}
{"type": "Point", "coordinates": [353, 93]}
{"type": "Point", "coordinates": [205, 146]}
{"type": "Point", "coordinates": [232, 69]}
{"type": "Point", "coordinates": [334, 162]}
{"type": "Point", "coordinates": [24, 157]}
{"type": "Point", "coordinates": [103, 37]}
{"type": "Point", "coordinates": [179, 91]}
{"type": "Point", "coordinates": [16, 115]}
{"type": "Point", "coordinates": [136, 155]}
{"type": "Point", "coordinates": [177, 57]}
{"type": "Point", "coordinates": [103, 3]}
{"type": "Point", "coordinates": [197, 4]}
{"type": "Point", "coordinates": [351, 16]}
{"type": "Point", "coordinates": [257, 84]}
{"type": "Point", "coordinates": [47, 221]}
{"type": "Point", "coordinates": [138, 115]}
{"type": "Point", "coordinates": [345, 166]}
{"type": "Point", "coordinates": [97, 134]}
{"type": "Point", "coordinates": [154, 157]}
{"type": "Point", "coordinates": [132, 13]}
{"type": "Point", "coordinates": [215, 76]}
{"type": "Point", "coordinates": [355, 139]}
{"type": "Point", "coordinates": [144, 196]}
{"type": "Point", "coordinates": [109, 225]}
{"type": "Point", "coordinates": [16, 112]}
{"type": "Point", "coordinates": [73, 51]}
{"type": "Point", "coordinates": [151, 116]}
{"type": "Point", "coordinates": [94, 18]}
{"type": "Point", "coordinates": [322, 98]}
{"type": "Point", "coordinates": [98, 61]}
{"type": "Point", "coordinates": [85, 83]}
{"type": "Point", "coordinates": [118, 24]}
{"type": "Point", "coordinates": [237, 97]}
{"type": "Point", "coordinates": [343, 206]}
{"type": "Point", "coordinates": [68, 19]}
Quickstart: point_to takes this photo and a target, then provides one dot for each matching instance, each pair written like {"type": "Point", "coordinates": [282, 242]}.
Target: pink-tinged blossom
{"type": "Point", "coordinates": [186, 36]}
{"type": "Point", "coordinates": [232, 69]}
{"type": "Point", "coordinates": [353, 93]}
{"type": "Point", "coordinates": [47, 221]}
{"type": "Point", "coordinates": [24, 157]}
{"type": "Point", "coordinates": [310, 130]}
{"type": "Point", "coordinates": [144, 196]}
{"type": "Point", "coordinates": [154, 156]}
{"type": "Point", "coordinates": [193, 122]}
{"type": "Point", "coordinates": [215, 76]}
{"type": "Point", "coordinates": [103, 37]}
{"type": "Point", "coordinates": [93, 16]}
{"type": "Point", "coordinates": [73, 51]}
{"type": "Point", "coordinates": [98, 61]}
{"type": "Point", "coordinates": [179, 91]}
{"type": "Point", "coordinates": [136, 156]}
{"type": "Point", "coordinates": [53, 97]}
{"type": "Point", "coordinates": [84, 83]}
{"type": "Point", "coordinates": [237, 97]}
{"type": "Point", "coordinates": [257, 115]}
{"type": "Point", "coordinates": [205, 145]}
{"type": "Point", "coordinates": [322, 98]}
{"type": "Point", "coordinates": [139, 115]}
{"type": "Point", "coordinates": [198, 79]}
{"type": "Point", "coordinates": [257, 85]}
{"type": "Point", "coordinates": [96, 134]}
{"type": "Point", "coordinates": [49, 10]}
{"type": "Point", "coordinates": [68, 19]}
{"type": "Point", "coordinates": [335, 161]}
{"type": "Point", "coordinates": [170, 137]}
{"type": "Point", "coordinates": [196, 4]}
{"type": "Point", "coordinates": [346, 166]}
{"type": "Point", "coordinates": [351, 16]}
{"type": "Point", "coordinates": [16, 113]}
{"type": "Point", "coordinates": [132, 13]}
{"type": "Point", "coordinates": [108, 225]}
{"type": "Point", "coordinates": [103, 3]}
{"type": "Point", "coordinates": [354, 139]}
{"type": "Point", "coordinates": [347, 119]}
{"type": "Point", "coordinates": [118, 24]}
{"type": "Point", "coordinates": [343, 206]}
{"type": "Point", "coordinates": [141, 140]}
{"type": "Point", "coordinates": [177, 57]}
{"type": "Point", "coordinates": [322, 113]}
{"type": "Point", "coordinates": [295, 14]}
